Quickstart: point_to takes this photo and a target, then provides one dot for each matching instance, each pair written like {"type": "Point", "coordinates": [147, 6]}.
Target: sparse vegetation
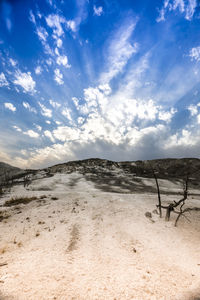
{"type": "Point", "coordinates": [3, 215]}
{"type": "Point", "coordinates": [54, 198]}
{"type": "Point", "coordinates": [19, 200]}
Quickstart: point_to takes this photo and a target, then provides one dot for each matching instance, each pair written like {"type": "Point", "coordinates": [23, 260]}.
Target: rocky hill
{"type": "Point", "coordinates": [127, 176]}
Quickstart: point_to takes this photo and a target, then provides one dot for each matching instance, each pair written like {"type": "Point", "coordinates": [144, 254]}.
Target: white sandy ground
{"type": "Point", "coordinates": [89, 244]}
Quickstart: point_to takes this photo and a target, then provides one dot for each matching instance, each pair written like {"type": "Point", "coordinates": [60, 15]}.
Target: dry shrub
{"type": "Point", "coordinates": [19, 200]}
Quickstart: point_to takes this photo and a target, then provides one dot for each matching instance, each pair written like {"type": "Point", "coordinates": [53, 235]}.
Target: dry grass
{"type": "Point", "coordinates": [19, 200]}
{"type": "Point", "coordinates": [3, 249]}
{"type": "Point", "coordinates": [3, 215]}
{"type": "Point", "coordinates": [54, 198]}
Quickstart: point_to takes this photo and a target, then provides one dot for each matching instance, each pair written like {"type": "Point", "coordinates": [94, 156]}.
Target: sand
{"type": "Point", "coordinates": [89, 244]}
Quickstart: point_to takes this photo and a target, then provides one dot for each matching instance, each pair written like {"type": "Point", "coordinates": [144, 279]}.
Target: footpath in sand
{"type": "Point", "coordinates": [77, 242]}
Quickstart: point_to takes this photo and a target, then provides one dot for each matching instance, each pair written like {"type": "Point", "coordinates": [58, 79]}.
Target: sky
{"type": "Point", "coordinates": [114, 79]}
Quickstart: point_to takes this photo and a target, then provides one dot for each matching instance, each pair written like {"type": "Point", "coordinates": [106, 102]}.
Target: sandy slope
{"type": "Point", "coordinates": [89, 244]}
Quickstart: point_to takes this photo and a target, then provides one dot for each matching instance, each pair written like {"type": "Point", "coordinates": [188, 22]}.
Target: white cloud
{"type": "Point", "coordinates": [39, 128]}
{"type": "Point", "coordinates": [119, 51]}
{"type": "Point", "coordinates": [190, 9]}
{"type": "Point", "coordinates": [67, 113]}
{"type": "Point", "coordinates": [195, 53]}
{"type": "Point", "coordinates": [98, 10]}
{"type": "Point", "coordinates": [54, 103]}
{"type": "Point", "coordinates": [3, 80]}
{"type": "Point", "coordinates": [58, 122]}
{"type": "Point", "coordinates": [65, 133]}
{"type": "Point", "coordinates": [32, 17]}
{"type": "Point", "coordinates": [13, 62]}
{"type": "Point", "coordinates": [63, 60]}
{"type": "Point", "coordinates": [45, 111]}
{"type": "Point", "coordinates": [48, 134]}
{"type": "Point", "coordinates": [166, 115]}
{"type": "Point", "coordinates": [72, 25]}
{"type": "Point", "coordinates": [17, 128]}
{"type": "Point", "coordinates": [31, 133]}
{"type": "Point", "coordinates": [193, 109]}
{"type": "Point", "coordinates": [38, 70]}
{"type": "Point", "coordinates": [42, 33]}
{"type": "Point", "coordinates": [10, 106]}
{"type": "Point", "coordinates": [25, 81]}
{"type": "Point", "coordinates": [184, 7]}
{"type": "Point", "coordinates": [27, 106]}
{"type": "Point", "coordinates": [59, 43]}
{"type": "Point", "coordinates": [58, 76]}
{"type": "Point", "coordinates": [55, 22]}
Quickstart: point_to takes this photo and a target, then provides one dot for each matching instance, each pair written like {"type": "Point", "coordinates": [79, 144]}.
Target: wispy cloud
{"type": "Point", "coordinates": [55, 21]}
{"type": "Point", "coordinates": [119, 51]}
{"type": "Point", "coordinates": [7, 14]}
{"type": "Point", "coordinates": [58, 76]}
{"type": "Point", "coordinates": [32, 17]}
{"type": "Point", "coordinates": [54, 103]}
{"type": "Point", "coordinates": [48, 134]}
{"type": "Point", "coordinates": [45, 111]}
{"type": "Point", "coordinates": [98, 11]}
{"type": "Point", "coordinates": [10, 106]}
{"type": "Point", "coordinates": [187, 8]}
{"type": "Point", "coordinates": [38, 70]}
{"type": "Point", "coordinates": [28, 107]}
{"type": "Point", "coordinates": [195, 53]}
{"type": "Point", "coordinates": [31, 133]}
{"type": "Point", "coordinates": [3, 80]}
{"type": "Point", "coordinates": [42, 33]}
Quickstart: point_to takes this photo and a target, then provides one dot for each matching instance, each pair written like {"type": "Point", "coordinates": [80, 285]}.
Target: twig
{"type": "Point", "coordinates": [3, 264]}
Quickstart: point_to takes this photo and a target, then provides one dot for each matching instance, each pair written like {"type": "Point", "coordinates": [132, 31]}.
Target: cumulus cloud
{"type": "Point", "coordinates": [63, 60]}
{"type": "Point", "coordinates": [72, 25]}
{"type": "Point", "coordinates": [31, 133]}
{"type": "Point", "coordinates": [10, 106]}
{"type": "Point", "coordinates": [38, 70]}
{"type": "Point", "coordinates": [42, 33]}
{"type": "Point", "coordinates": [193, 109]}
{"type": "Point", "coordinates": [195, 53]}
{"type": "Point", "coordinates": [17, 128]}
{"type": "Point", "coordinates": [28, 107]}
{"type": "Point", "coordinates": [58, 76]}
{"type": "Point", "coordinates": [45, 111]}
{"type": "Point", "coordinates": [25, 81]}
{"type": "Point", "coordinates": [56, 22]}
{"type": "Point", "coordinates": [39, 128]}
{"type": "Point", "coordinates": [48, 134]}
{"type": "Point", "coordinates": [59, 43]}
{"type": "Point", "coordinates": [13, 62]}
{"type": "Point", "coordinates": [3, 80]}
{"type": "Point", "coordinates": [54, 103]}
{"type": "Point", "coordinates": [98, 10]}
{"type": "Point", "coordinates": [65, 133]}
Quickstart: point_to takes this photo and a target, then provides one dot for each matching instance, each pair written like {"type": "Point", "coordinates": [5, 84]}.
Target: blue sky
{"type": "Point", "coordinates": [110, 79]}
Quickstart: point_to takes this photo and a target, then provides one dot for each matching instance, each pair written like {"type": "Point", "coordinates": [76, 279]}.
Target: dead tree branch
{"type": "Point", "coordinates": [158, 190]}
